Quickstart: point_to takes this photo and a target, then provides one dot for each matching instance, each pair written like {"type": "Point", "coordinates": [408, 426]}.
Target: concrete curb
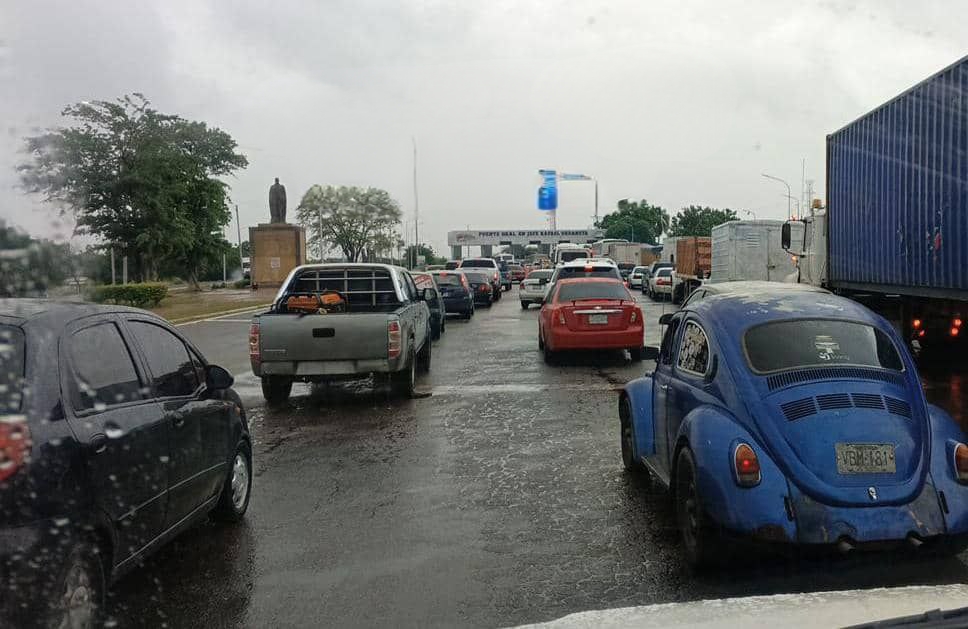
{"type": "Point", "coordinates": [214, 315]}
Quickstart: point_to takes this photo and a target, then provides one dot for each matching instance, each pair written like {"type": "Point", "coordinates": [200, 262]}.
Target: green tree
{"type": "Point", "coordinates": [145, 182]}
{"type": "Point", "coordinates": [638, 221]}
{"type": "Point", "coordinates": [426, 251]}
{"type": "Point", "coordinates": [696, 220]}
{"type": "Point", "coordinates": [354, 220]}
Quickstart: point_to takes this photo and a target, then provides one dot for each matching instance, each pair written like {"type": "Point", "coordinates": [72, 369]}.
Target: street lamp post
{"type": "Point", "coordinates": [795, 200]}
{"type": "Point", "coordinates": [789, 192]}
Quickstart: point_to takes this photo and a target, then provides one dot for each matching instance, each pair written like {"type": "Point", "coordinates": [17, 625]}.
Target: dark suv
{"type": "Point", "coordinates": [115, 435]}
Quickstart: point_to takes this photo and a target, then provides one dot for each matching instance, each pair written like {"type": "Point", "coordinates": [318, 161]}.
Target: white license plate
{"type": "Point", "coordinates": [601, 319]}
{"type": "Point", "coordinates": [865, 458]}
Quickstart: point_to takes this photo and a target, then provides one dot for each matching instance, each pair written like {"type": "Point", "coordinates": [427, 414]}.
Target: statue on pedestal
{"type": "Point", "coordinates": [277, 202]}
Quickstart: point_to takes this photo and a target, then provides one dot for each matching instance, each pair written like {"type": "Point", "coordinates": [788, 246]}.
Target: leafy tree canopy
{"type": "Point", "coordinates": [360, 222]}
{"type": "Point", "coordinates": [696, 220]}
{"type": "Point", "coordinates": [145, 182]}
{"type": "Point", "coordinates": [638, 221]}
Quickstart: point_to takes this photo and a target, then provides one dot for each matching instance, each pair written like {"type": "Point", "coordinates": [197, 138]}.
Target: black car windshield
{"type": "Point", "coordinates": [818, 342]}
{"type": "Point", "coordinates": [11, 368]}
{"type": "Point", "coordinates": [447, 279]}
{"type": "Point", "coordinates": [592, 290]}
{"type": "Point", "coordinates": [488, 264]}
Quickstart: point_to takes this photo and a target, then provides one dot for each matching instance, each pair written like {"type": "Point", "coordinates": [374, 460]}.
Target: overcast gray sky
{"type": "Point", "coordinates": [677, 102]}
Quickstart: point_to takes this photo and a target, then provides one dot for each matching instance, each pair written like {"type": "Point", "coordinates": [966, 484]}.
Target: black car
{"type": "Point", "coordinates": [116, 436]}
{"type": "Point", "coordinates": [438, 312]}
{"type": "Point", "coordinates": [456, 292]}
{"type": "Point", "coordinates": [481, 286]}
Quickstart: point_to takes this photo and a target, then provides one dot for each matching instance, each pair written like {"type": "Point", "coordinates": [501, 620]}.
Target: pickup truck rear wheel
{"type": "Point", "coordinates": [423, 358]}
{"type": "Point", "coordinates": [403, 382]}
{"type": "Point", "coordinates": [276, 389]}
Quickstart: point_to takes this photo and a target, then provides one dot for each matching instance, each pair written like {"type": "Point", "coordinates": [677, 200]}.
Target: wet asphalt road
{"type": "Point", "coordinates": [499, 499]}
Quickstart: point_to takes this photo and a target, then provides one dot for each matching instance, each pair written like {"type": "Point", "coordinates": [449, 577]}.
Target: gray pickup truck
{"type": "Point", "coordinates": [338, 321]}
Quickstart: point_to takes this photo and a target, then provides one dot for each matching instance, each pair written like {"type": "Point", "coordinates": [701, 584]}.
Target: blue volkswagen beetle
{"type": "Point", "coordinates": [796, 417]}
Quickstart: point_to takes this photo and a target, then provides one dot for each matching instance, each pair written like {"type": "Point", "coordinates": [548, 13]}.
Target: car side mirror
{"type": "Point", "coordinates": [218, 378]}
{"type": "Point", "coordinates": [650, 352]}
{"type": "Point", "coordinates": [785, 236]}
{"type": "Point", "coordinates": [665, 319]}
{"type": "Point", "coordinates": [429, 294]}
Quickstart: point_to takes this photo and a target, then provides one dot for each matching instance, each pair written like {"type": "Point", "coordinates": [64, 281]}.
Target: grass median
{"type": "Point", "coordinates": [185, 305]}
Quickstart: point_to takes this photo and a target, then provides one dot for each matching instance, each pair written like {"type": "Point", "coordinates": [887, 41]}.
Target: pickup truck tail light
{"type": "Point", "coordinates": [14, 446]}
{"type": "Point", "coordinates": [255, 353]}
{"type": "Point", "coordinates": [495, 277]}
{"type": "Point", "coordinates": [961, 462]}
{"type": "Point", "coordinates": [747, 466]}
{"type": "Point", "coordinates": [393, 339]}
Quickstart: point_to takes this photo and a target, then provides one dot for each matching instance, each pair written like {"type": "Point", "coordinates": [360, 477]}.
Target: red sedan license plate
{"type": "Point", "coordinates": [865, 458]}
{"type": "Point", "coordinates": [598, 319]}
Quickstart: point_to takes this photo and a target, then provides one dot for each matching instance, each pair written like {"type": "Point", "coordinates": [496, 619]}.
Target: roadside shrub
{"type": "Point", "coordinates": [243, 283]}
{"type": "Point", "coordinates": [142, 295]}
{"type": "Point", "coordinates": [218, 285]}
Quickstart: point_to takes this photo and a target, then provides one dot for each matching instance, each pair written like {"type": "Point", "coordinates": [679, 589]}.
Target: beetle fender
{"type": "Point", "coordinates": [945, 434]}
{"type": "Point", "coordinates": [639, 393]}
{"type": "Point", "coordinates": [712, 435]}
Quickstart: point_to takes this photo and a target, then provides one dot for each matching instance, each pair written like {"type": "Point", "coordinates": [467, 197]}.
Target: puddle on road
{"type": "Point", "coordinates": [490, 389]}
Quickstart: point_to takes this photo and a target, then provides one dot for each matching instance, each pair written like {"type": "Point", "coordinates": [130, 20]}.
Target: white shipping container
{"type": "Point", "coordinates": [750, 251]}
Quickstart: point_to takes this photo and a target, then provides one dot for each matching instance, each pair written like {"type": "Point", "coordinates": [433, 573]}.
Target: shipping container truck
{"type": "Point", "coordinates": [667, 252]}
{"type": "Point", "coordinates": [894, 234]}
{"type": "Point", "coordinates": [750, 251]}
{"type": "Point", "coordinates": [599, 248]}
{"type": "Point", "coordinates": [627, 255]}
{"type": "Point", "coordinates": [693, 263]}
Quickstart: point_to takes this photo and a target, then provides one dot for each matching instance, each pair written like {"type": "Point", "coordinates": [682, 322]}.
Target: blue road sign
{"type": "Point", "coordinates": [548, 192]}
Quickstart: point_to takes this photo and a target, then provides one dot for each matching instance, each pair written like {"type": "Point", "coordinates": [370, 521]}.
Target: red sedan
{"type": "Point", "coordinates": [590, 313]}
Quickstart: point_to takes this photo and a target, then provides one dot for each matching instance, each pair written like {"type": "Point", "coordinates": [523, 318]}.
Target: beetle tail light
{"type": "Point", "coordinates": [961, 462]}
{"type": "Point", "coordinates": [255, 338]}
{"type": "Point", "coordinates": [15, 445]}
{"type": "Point", "coordinates": [393, 339]}
{"type": "Point", "coordinates": [746, 465]}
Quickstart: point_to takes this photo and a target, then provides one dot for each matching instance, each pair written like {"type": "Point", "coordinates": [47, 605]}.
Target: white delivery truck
{"type": "Point", "coordinates": [750, 250]}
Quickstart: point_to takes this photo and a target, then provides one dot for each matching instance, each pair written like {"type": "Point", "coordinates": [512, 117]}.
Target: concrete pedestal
{"type": "Point", "coordinates": [277, 248]}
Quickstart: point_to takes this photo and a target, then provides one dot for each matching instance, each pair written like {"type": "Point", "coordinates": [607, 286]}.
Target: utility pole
{"type": "Point", "coordinates": [596, 203]}
{"type": "Point", "coordinates": [114, 277]}
{"type": "Point", "coordinates": [416, 205]}
{"type": "Point", "coordinates": [789, 193]}
{"type": "Point", "coordinates": [238, 228]}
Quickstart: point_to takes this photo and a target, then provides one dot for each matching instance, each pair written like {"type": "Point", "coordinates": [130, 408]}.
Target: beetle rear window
{"type": "Point", "coordinates": [818, 342]}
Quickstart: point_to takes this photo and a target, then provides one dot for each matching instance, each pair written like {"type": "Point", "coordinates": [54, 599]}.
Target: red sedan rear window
{"type": "Point", "coordinates": [592, 290]}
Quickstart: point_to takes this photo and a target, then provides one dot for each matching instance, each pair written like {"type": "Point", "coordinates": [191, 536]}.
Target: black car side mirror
{"type": "Point", "coordinates": [785, 236]}
{"type": "Point", "coordinates": [665, 319]}
{"type": "Point", "coordinates": [650, 352]}
{"type": "Point", "coordinates": [429, 294]}
{"type": "Point", "coordinates": [218, 378]}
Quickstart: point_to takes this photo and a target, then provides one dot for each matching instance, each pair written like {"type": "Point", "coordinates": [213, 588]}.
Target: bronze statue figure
{"type": "Point", "coordinates": [277, 202]}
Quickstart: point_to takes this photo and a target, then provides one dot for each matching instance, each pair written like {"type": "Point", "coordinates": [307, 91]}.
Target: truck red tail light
{"type": "Point", "coordinates": [746, 465]}
{"type": "Point", "coordinates": [393, 339]}
{"type": "Point", "coordinates": [255, 353]}
{"type": "Point", "coordinates": [961, 462]}
{"type": "Point", "coordinates": [14, 446]}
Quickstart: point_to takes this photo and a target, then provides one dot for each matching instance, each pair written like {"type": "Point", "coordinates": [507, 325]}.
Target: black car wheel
{"type": "Point", "coordinates": [403, 382]}
{"type": "Point", "coordinates": [540, 341]}
{"type": "Point", "coordinates": [699, 537]}
{"type": "Point", "coordinates": [550, 357]}
{"type": "Point", "coordinates": [237, 488]}
{"type": "Point", "coordinates": [525, 305]}
{"type": "Point", "coordinates": [436, 330]}
{"type": "Point", "coordinates": [77, 594]}
{"type": "Point", "coordinates": [636, 354]}
{"type": "Point", "coordinates": [276, 389]}
{"type": "Point", "coordinates": [631, 464]}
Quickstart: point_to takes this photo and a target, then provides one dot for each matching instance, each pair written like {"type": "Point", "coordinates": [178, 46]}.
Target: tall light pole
{"type": "Point", "coordinates": [416, 205]}
{"type": "Point", "coordinates": [789, 192]}
{"type": "Point", "coordinates": [795, 200]}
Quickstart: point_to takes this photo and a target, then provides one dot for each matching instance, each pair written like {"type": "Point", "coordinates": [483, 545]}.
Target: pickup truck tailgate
{"type": "Point", "coordinates": [323, 337]}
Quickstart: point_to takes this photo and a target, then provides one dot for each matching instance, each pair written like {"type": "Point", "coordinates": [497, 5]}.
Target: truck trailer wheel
{"type": "Point", "coordinates": [276, 389]}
